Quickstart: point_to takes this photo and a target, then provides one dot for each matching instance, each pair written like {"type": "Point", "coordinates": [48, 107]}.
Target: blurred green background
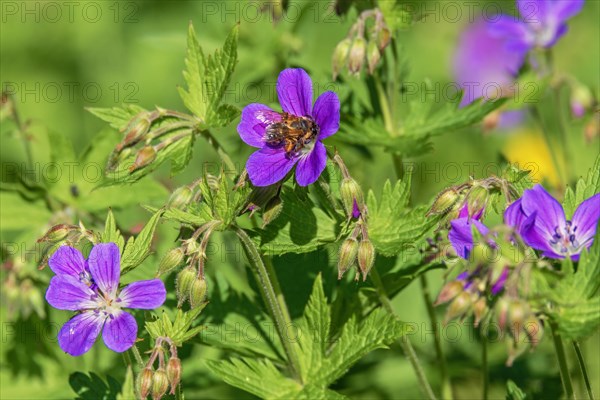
{"type": "Point", "coordinates": [58, 58]}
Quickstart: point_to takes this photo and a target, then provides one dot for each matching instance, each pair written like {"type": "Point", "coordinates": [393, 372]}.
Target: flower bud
{"type": "Point", "coordinates": [351, 193]}
{"type": "Point", "coordinates": [57, 233]}
{"type": "Point", "coordinates": [501, 309]}
{"type": "Point", "coordinates": [272, 210]}
{"type": "Point", "coordinates": [449, 291]}
{"type": "Point", "coordinates": [444, 202]}
{"type": "Point", "coordinates": [356, 58]}
{"type": "Point", "coordinates": [340, 55]}
{"type": "Point", "coordinates": [517, 312]}
{"type": "Point", "coordinates": [373, 56]}
{"type": "Point", "coordinates": [145, 381]}
{"type": "Point", "coordinates": [160, 384]}
{"type": "Point", "coordinates": [170, 260]}
{"type": "Point", "coordinates": [180, 197]}
{"type": "Point", "coordinates": [197, 292]}
{"type": "Point", "coordinates": [183, 284]}
{"type": "Point", "coordinates": [459, 306]}
{"type": "Point", "coordinates": [174, 372]}
{"type": "Point", "coordinates": [480, 308]}
{"type": "Point", "coordinates": [384, 36]}
{"type": "Point", "coordinates": [534, 329]}
{"type": "Point", "coordinates": [144, 156]}
{"type": "Point", "coordinates": [138, 130]}
{"type": "Point", "coordinates": [366, 257]}
{"type": "Point", "coordinates": [591, 131]}
{"type": "Point", "coordinates": [477, 200]}
{"type": "Point", "coordinates": [348, 252]}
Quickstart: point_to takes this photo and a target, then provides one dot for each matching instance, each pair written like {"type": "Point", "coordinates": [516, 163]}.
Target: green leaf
{"type": "Point", "coordinates": [300, 228]}
{"type": "Point", "coordinates": [92, 387]}
{"type": "Point", "coordinates": [392, 225]}
{"type": "Point", "coordinates": [128, 390]}
{"type": "Point", "coordinates": [513, 392]}
{"type": "Point", "coordinates": [584, 189]}
{"type": "Point", "coordinates": [17, 214]}
{"type": "Point", "coordinates": [111, 232]}
{"type": "Point", "coordinates": [180, 330]}
{"type": "Point", "coordinates": [138, 249]}
{"type": "Point", "coordinates": [207, 78]}
{"type": "Point", "coordinates": [117, 117]}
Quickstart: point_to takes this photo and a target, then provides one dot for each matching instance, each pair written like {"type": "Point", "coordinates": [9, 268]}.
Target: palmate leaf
{"type": "Point", "coordinates": [576, 299]}
{"type": "Point", "coordinates": [584, 189]}
{"type": "Point", "coordinates": [322, 360]}
{"type": "Point", "coordinates": [207, 78]}
{"type": "Point", "coordinates": [392, 225]}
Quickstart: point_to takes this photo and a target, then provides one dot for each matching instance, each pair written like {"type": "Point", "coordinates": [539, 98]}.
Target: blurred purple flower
{"type": "Point", "coordinates": [460, 234]}
{"type": "Point", "coordinates": [272, 162]}
{"type": "Point", "coordinates": [91, 288]}
{"type": "Point", "coordinates": [542, 23]}
{"type": "Point", "coordinates": [541, 222]}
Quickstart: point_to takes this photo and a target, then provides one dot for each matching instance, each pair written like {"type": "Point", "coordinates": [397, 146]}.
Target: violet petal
{"type": "Point", "coordinates": [311, 165]}
{"type": "Point", "coordinates": [105, 267]}
{"type": "Point", "coordinates": [79, 333]}
{"type": "Point", "coordinates": [147, 294]}
{"type": "Point", "coordinates": [120, 331]}
{"type": "Point", "coordinates": [294, 89]}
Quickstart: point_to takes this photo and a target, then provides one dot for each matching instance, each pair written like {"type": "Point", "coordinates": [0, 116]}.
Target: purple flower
{"type": "Point", "coordinates": [461, 236]}
{"type": "Point", "coordinates": [268, 130]}
{"type": "Point", "coordinates": [541, 222]}
{"type": "Point", "coordinates": [542, 23]}
{"type": "Point", "coordinates": [91, 287]}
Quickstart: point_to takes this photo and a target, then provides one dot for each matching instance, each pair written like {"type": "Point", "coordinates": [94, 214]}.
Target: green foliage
{"type": "Point", "coordinates": [180, 330]}
{"type": "Point", "coordinates": [92, 387]}
{"type": "Point", "coordinates": [117, 117]}
{"type": "Point", "coordinates": [128, 390]}
{"type": "Point", "coordinates": [513, 392]}
{"type": "Point", "coordinates": [584, 189]}
{"type": "Point", "coordinates": [207, 78]}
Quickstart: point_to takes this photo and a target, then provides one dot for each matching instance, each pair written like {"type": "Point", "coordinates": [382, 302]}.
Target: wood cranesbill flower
{"type": "Point", "coordinates": [542, 23]}
{"type": "Point", "coordinates": [91, 287]}
{"type": "Point", "coordinates": [540, 220]}
{"type": "Point", "coordinates": [461, 235]}
{"type": "Point", "coordinates": [292, 137]}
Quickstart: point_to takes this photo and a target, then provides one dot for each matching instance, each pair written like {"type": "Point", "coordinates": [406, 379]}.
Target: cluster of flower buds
{"type": "Point", "coordinates": [357, 248]}
{"type": "Point", "coordinates": [147, 134]}
{"type": "Point", "coordinates": [473, 196]}
{"type": "Point", "coordinates": [156, 382]}
{"type": "Point", "coordinates": [354, 50]}
{"type": "Point", "coordinates": [61, 234]}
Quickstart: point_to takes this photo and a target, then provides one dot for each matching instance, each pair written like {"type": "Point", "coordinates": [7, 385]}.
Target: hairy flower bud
{"type": "Point", "coordinates": [183, 284]}
{"type": "Point", "coordinates": [501, 309]}
{"type": "Point", "coordinates": [581, 100]}
{"type": "Point", "coordinates": [340, 55]}
{"type": "Point", "coordinates": [373, 56]}
{"type": "Point", "coordinates": [480, 308]}
{"type": "Point", "coordinates": [180, 197]}
{"type": "Point", "coordinates": [459, 306]}
{"type": "Point", "coordinates": [366, 257]}
{"type": "Point", "coordinates": [449, 291]}
{"type": "Point", "coordinates": [272, 210]}
{"type": "Point", "coordinates": [144, 156]}
{"type": "Point", "coordinates": [348, 252]}
{"type": "Point", "coordinates": [137, 130]}
{"type": "Point", "coordinates": [356, 58]}
{"type": "Point", "coordinates": [444, 202]}
{"type": "Point", "coordinates": [174, 372]}
{"type": "Point", "coordinates": [170, 260]}
{"type": "Point", "coordinates": [57, 233]}
{"type": "Point", "coordinates": [197, 292]}
{"type": "Point", "coordinates": [145, 381]}
{"type": "Point", "coordinates": [351, 194]}
{"type": "Point", "coordinates": [384, 36]}
{"type": "Point", "coordinates": [160, 383]}
{"type": "Point", "coordinates": [477, 199]}
{"type": "Point", "coordinates": [517, 312]}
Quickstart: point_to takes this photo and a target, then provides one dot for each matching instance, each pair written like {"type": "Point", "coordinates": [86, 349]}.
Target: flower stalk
{"type": "Point", "coordinates": [561, 355]}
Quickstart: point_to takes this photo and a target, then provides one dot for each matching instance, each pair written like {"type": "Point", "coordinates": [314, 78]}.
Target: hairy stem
{"type": "Point", "coordinates": [565, 377]}
{"type": "Point", "coordinates": [407, 347]}
{"type": "Point", "coordinates": [586, 378]}
{"type": "Point", "coordinates": [273, 298]}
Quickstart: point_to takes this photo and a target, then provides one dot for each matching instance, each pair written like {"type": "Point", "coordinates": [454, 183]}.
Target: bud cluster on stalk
{"type": "Point", "coordinates": [356, 49]}
{"type": "Point", "coordinates": [357, 250]}
{"type": "Point", "coordinates": [155, 382]}
{"type": "Point", "coordinates": [146, 135]}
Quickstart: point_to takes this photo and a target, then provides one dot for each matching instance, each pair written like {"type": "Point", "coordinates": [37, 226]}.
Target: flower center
{"type": "Point", "coordinates": [106, 304]}
{"type": "Point", "coordinates": [565, 242]}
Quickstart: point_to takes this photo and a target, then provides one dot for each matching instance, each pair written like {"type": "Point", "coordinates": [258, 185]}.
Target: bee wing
{"type": "Point", "coordinates": [268, 117]}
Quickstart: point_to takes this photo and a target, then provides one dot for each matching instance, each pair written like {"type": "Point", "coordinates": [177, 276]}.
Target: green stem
{"type": "Point", "coordinates": [446, 384]}
{"type": "Point", "coordinates": [407, 347]}
{"type": "Point", "coordinates": [584, 372]}
{"type": "Point", "coordinates": [137, 355]}
{"type": "Point", "coordinates": [273, 298]}
{"type": "Point", "coordinates": [484, 362]}
{"type": "Point", "coordinates": [565, 377]}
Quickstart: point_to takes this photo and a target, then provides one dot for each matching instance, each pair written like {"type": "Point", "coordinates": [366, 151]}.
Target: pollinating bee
{"type": "Point", "coordinates": [287, 130]}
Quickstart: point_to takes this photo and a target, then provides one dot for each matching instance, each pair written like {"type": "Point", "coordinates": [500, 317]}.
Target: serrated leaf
{"type": "Point", "coordinates": [138, 249]}
{"type": "Point", "coordinates": [117, 117]}
{"type": "Point", "coordinates": [111, 232]}
{"type": "Point", "coordinates": [584, 189]}
{"type": "Point", "coordinates": [180, 330]}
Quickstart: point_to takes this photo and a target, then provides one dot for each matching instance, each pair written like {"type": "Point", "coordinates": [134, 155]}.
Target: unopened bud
{"type": "Point", "coordinates": [272, 210]}
{"type": "Point", "coordinates": [174, 372]}
{"type": "Point", "coordinates": [534, 329]}
{"type": "Point", "coordinates": [145, 381]}
{"type": "Point", "coordinates": [185, 279]}
{"type": "Point", "coordinates": [501, 310]}
{"type": "Point", "coordinates": [356, 58]}
{"type": "Point", "coordinates": [160, 384]}
{"type": "Point", "coordinates": [171, 260]}
{"type": "Point", "coordinates": [373, 56]}
{"type": "Point", "coordinates": [348, 252]}
{"type": "Point", "coordinates": [591, 131]}
{"type": "Point", "coordinates": [449, 291]}
{"type": "Point", "coordinates": [351, 194]}
{"type": "Point", "coordinates": [138, 130]}
{"type": "Point", "coordinates": [340, 55]}
{"type": "Point", "coordinates": [480, 308]}
{"type": "Point", "coordinates": [444, 202]}
{"type": "Point", "coordinates": [384, 36]}
{"type": "Point", "coordinates": [180, 197]}
{"type": "Point", "coordinates": [477, 200]}
{"type": "Point", "coordinates": [517, 312]}
{"type": "Point", "coordinates": [366, 257]}
{"type": "Point", "coordinates": [144, 156]}
{"type": "Point", "coordinates": [57, 233]}
{"type": "Point", "coordinates": [459, 306]}
{"type": "Point", "coordinates": [197, 292]}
